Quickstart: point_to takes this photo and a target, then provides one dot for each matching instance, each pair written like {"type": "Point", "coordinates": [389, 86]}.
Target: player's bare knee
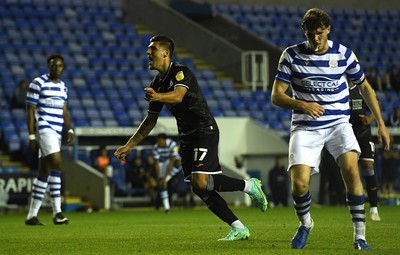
{"type": "Point", "coordinates": [299, 187]}
{"type": "Point", "coordinates": [199, 185]}
{"type": "Point", "coordinates": [199, 182]}
{"type": "Point", "coordinates": [350, 175]}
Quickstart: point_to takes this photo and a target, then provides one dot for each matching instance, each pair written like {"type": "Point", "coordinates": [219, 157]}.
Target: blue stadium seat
{"type": "Point", "coordinates": [217, 113]}
{"type": "Point", "coordinates": [238, 104]}
{"type": "Point", "coordinates": [81, 123]}
{"type": "Point", "coordinates": [245, 94]}
{"type": "Point", "coordinates": [96, 123]}
{"type": "Point", "coordinates": [20, 123]}
{"type": "Point", "coordinates": [229, 113]}
{"type": "Point", "coordinates": [275, 125]}
{"type": "Point", "coordinates": [212, 83]}
{"type": "Point", "coordinates": [5, 115]}
{"type": "Point", "coordinates": [208, 74]}
{"type": "Point", "coordinates": [74, 103]}
{"type": "Point", "coordinates": [14, 144]}
{"type": "Point", "coordinates": [232, 94]}
{"type": "Point", "coordinates": [224, 103]}
{"type": "Point", "coordinates": [77, 113]}
{"type": "Point", "coordinates": [88, 102]}
{"type": "Point", "coordinates": [135, 114]}
{"type": "Point", "coordinates": [102, 103]}
{"type": "Point", "coordinates": [219, 93]}
{"type": "Point", "coordinates": [110, 123]}
{"type": "Point", "coordinates": [93, 113]}
{"type": "Point", "coordinates": [258, 115]}
{"type": "Point", "coordinates": [106, 114]}
{"type": "Point", "coordinates": [252, 105]}
{"type": "Point", "coordinates": [243, 113]}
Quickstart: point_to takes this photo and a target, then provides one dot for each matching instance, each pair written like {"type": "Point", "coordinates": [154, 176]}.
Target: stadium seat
{"type": "Point", "coordinates": [78, 113]}
{"type": "Point", "coordinates": [14, 144]}
{"type": "Point", "coordinates": [96, 123]}
{"type": "Point", "coordinates": [238, 104]}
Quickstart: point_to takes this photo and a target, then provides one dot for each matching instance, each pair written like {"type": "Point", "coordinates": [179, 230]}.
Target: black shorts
{"type": "Point", "coordinates": [199, 153]}
{"type": "Point", "coordinates": [367, 147]}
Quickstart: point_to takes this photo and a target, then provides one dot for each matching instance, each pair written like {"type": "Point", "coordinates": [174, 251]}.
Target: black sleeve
{"type": "Point", "coordinates": [182, 77]}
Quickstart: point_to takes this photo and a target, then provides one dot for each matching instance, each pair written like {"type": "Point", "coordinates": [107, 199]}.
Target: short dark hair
{"type": "Point", "coordinates": [54, 56]}
{"type": "Point", "coordinates": [162, 136]}
{"type": "Point", "coordinates": [315, 18]}
{"type": "Point", "coordinates": [165, 41]}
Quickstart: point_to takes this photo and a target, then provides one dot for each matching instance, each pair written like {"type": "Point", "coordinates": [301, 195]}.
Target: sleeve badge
{"type": "Point", "coordinates": [179, 76]}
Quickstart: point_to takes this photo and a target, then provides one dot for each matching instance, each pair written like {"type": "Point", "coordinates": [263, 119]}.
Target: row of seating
{"type": "Point", "coordinates": [347, 13]}
{"type": "Point", "coordinates": [357, 29]}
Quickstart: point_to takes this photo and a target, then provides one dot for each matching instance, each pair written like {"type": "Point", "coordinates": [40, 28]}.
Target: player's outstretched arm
{"type": "Point", "coordinates": [142, 132]}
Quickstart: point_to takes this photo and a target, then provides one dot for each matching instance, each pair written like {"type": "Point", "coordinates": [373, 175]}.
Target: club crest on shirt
{"type": "Point", "coordinates": [179, 76]}
{"type": "Point", "coordinates": [171, 83]}
{"type": "Point", "coordinates": [333, 63]}
{"type": "Point", "coordinates": [291, 158]}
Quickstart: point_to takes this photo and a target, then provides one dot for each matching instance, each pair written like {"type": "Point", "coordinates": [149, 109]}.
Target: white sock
{"type": "Point", "coordinates": [39, 187]}
{"type": "Point", "coordinates": [248, 185]}
{"type": "Point", "coordinates": [373, 210]}
{"type": "Point", "coordinates": [359, 230]}
{"type": "Point", "coordinates": [55, 191]}
{"type": "Point", "coordinates": [237, 224]}
{"type": "Point", "coordinates": [306, 220]}
{"type": "Point", "coordinates": [165, 199]}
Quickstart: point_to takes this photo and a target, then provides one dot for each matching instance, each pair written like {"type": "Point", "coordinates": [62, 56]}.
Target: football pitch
{"type": "Point", "coordinates": [194, 231]}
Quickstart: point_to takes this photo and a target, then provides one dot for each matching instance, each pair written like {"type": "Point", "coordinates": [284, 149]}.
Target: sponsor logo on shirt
{"type": "Point", "coordinates": [54, 103]}
{"type": "Point", "coordinates": [320, 84]}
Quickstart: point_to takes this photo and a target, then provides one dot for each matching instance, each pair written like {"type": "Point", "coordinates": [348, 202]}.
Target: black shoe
{"type": "Point", "coordinates": [34, 221]}
{"type": "Point", "coordinates": [59, 219]}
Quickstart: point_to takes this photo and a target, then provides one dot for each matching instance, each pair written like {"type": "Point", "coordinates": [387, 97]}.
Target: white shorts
{"type": "Point", "coordinates": [305, 145]}
{"type": "Point", "coordinates": [49, 143]}
{"type": "Point", "coordinates": [163, 169]}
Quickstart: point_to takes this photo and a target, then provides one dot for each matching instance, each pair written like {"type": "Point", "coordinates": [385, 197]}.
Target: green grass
{"type": "Point", "coordinates": [194, 231]}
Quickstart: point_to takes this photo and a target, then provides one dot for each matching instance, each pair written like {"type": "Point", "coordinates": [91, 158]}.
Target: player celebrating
{"type": "Point", "coordinates": [166, 154]}
{"type": "Point", "coordinates": [317, 71]}
{"type": "Point", "coordinates": [177, 88]}
{"type": "Point", "coordinates": [46, 114]}
{"type": "Point", "coordinates": [362, 130]}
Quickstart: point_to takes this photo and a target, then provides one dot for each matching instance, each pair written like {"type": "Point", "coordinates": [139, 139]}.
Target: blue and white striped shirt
{"type": "Point", "coordinates": [321, 79]}
{"type": "Point", "coordinates": [165, 154]}
{"type": "Point", "coordinates": [49, 98]}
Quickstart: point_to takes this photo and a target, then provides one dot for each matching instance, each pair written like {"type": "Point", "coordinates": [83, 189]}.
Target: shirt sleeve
{"type": "Point", "coordinates": [182, 77]}
{"type": "Point", "coordinates": [354, 71]}
{"type": "Point", "coordinates": [33, 94]}
{"type": "Point", "coordinates": [284, 72]}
